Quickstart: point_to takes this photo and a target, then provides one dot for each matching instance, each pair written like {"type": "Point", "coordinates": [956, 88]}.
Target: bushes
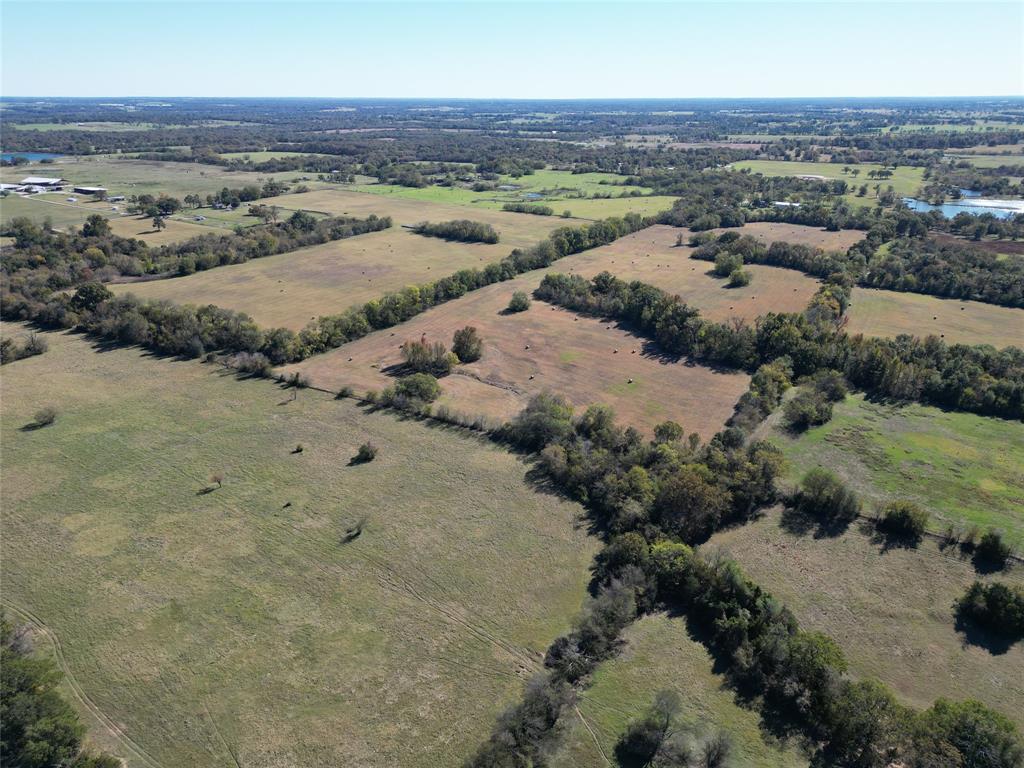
{"type": "Point", "coordinates": [420, 387]}
{"type": "Point", "coordinates": [726, 263]}
{"type": "Point", "coordinates": [10, 350]}
{"type": "Point", "coordinates": [460, 230]}
{"type": "Point", "coordinates": [903, 519]}
{"type": "Point", "coordinates": [537, 210]}
{"type": "Point", "coordinates": [45, 416]}
{"type": "Point", "coordinates": [997, 607]}
{"type": "Point", "coordinates": [824, 496]}
{"type": "Point", "coordinates": [739, 278]}
{"type": "Point", "coordinates": [806, 409]}
{"type": "Point", "coordinates": [367, 452]}
{"type": "Point", "coordinates": [425, 357]}
{"type": "Point", "coordinates": [467, 344]}
{"type": "Point", "coordinates": [519, 302]}
{"type": "Point", "coordinates": [992, 549]}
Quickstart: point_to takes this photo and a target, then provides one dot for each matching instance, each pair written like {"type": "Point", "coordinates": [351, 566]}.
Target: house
{"type": "Point", "coordinates": [90, 190]}
{"type": "Point", "coordinates": [116, 199]}
{"type": "Point", "coordinates": [42, 181]}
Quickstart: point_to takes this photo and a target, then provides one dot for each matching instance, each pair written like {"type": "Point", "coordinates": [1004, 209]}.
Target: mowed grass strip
{"type": "Point", "coordinates": [212, 620]}
{"type": "Point", "coordinates": [293, 288]}
{"type": "Point", "coordinates": [889, 313]}
{"type": "Point", "coordinates": [659, 654]}
{"type": "Point", "coordinates": [965, 469]}
{"type": "Point", "coordinates": [890, 609]}
{"type": "Point", "coordinates": [545, 348]}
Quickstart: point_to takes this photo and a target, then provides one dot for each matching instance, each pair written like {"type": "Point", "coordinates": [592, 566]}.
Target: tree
{"type": "Point", "coordinates": [904, 519]}
{"type": "Point", "coordinates": [158, 223]}
{"type": "Point", "coordinates": [96, 226]}
{"type": "Point", "coordinates": [690, 504]}
{"type": "Point", "coordinates": [467, 344]}
{"type": "Point", "coordinates": [519, 302]}
{"type": "Point", "coordinates": [40, 729]}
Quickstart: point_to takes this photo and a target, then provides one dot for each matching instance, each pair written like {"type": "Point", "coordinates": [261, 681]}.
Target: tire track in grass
{"type": "Point", "coordinates": [130, 745]}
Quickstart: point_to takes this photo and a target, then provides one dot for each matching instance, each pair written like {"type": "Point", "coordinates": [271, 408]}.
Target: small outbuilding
{"type": "Point", "coordinates": [89, 190]}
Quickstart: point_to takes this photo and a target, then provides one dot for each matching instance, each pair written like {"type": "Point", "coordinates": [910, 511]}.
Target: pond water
{"type": "Point", "coordinates": [32, 157]}
{"type": "Point", "coordinates": [970, 203]}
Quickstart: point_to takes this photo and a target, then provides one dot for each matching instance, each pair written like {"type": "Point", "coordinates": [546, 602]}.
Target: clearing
{"type": "Point", "coordinates": [905, 180]}
{"type": "Point", "coordinates": [219, 626]}
{"type": "Point", "coordinates": [890, 609]}
{"type": "Point", "coordinates": [652, 256]}
{"type": "Point", "coordinates": [876, 312]}
{"type": "Point", "coordinates": [290, 289]}
{"type": "Point", "coordinates": [963, 468]}
{"type": "Point", "coordinates": [660, 654]}
{"type": "Point", "coordinates": [543, 348]}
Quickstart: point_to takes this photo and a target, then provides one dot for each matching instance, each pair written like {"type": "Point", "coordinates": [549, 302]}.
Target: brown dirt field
{"type": "Point", "coordinates": [652, 256]}
{"type": "Point", "coordinates": [569, 355]}
{"type": "Point", "coordinates": [890, 313]}
{"type": "Point", "coordinates": [290, 289]}
{"type": "Point", "coordinates": [890, 610]}
{"type": "Point", "coordinates": [770, 232]}
{"type": "Point", "coordinates": [517, 230]}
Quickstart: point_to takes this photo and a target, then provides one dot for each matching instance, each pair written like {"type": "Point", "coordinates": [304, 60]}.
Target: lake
{"type": "Point", "coordinates": [1001, 209]}
{"type": "Point", "coordinates": [32, 157]}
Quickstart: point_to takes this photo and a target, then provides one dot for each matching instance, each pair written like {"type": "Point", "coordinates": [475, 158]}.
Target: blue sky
{"type": "Point", "coordinates": [515, 50]}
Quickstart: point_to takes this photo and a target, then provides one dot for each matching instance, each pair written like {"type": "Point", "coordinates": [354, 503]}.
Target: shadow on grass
{"type": "Point", "coordinates": [799, 523]}
{"type": "Point", "coordinates": [978, 636]}
{"type": "Point", "coordinates": [32, 426]}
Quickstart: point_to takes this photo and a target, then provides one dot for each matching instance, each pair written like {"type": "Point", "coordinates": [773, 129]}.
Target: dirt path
{"type": "Point", "coordinates": [130, 747]}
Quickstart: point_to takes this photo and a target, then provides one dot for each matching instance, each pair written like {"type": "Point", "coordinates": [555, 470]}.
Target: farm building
{"type": "Point", "coordinates": [41, 181]}
{"type": "Point", "coordinates": [89, 190]}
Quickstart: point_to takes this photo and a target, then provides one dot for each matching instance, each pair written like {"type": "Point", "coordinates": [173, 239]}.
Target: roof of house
{"type": "Point", "coordinates": [40, 180]}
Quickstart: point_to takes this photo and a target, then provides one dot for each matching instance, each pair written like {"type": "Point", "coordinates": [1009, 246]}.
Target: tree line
{"type": "Point", "coordinates": [33, 290]}
{"type": "Point", "coordinates": [459, 230]}
{"type": "Point", "coordinates": [951, 269]}
{"type": "Point", "coordinates": [654, 500]}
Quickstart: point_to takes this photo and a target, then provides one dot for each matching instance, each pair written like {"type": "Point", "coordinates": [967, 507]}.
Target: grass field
{"type": "Point", "coordinates": [260, 157]}
{"type": "Point", "coordinates": [905, 179]}
{"type": "Point", "coordinates": [891, 610]}
{"type": "Point", "coordinates": [290, 289]}
{"type": "Point", "coordinates": [659, 654]}
{"type": "Point", "coordinates": [652, 256]}
{"type": "Point", "coordinates": [233, 626]}
{"type": "Point", "coordinates": [964, 469]}
{"type": "Point", "coordinates": [541, 349]}
{"type": "Point", "coordinates": [561, 190]}
{"type": "Point", "coordinates": [63, 214]}
{"type": "Point", "coordinates": [890, 313]}
{"type": "Point", "coordinates": [123, 176]}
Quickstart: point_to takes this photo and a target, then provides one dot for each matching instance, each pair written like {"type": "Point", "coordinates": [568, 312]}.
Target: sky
{"type": "Point", "coordinates": [511, 50]}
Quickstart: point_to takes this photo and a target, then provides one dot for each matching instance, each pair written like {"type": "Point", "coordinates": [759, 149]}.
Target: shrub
{"type": "Point", "coordinates": [904, 519]}
{"type": "Point", "coordinates": [467, 344]}
{"type": "Point", "coordinates": [45, 416]}
{"type": "Point", "coordinates": [993, 549]}
{"type": "Point", "coordinates": [419, 386]}
{"type": "Point", "coordinates": [538, 210]}
{"type": "Point", "coordinates": [739, 277]}
{"type": "Point", "coordinates": [823, 495]}
{"type": "Point", "coordinates": [344, 392]}
{"type": "Point", "coordinates": [996, 607]}
{"type": "Point", "coordinates": [252, 363]}
{"type": "Point", "coordinates": [519, 302]}
{"type": "Point", "coordinates": [298, 380]}
{"type": "Point", "coordinates": [807, 409]}
{"type": "Point", "coordinates": [726, 263]}
{"type": "Point", "coordinates": [428, 357]}
{"type": "Point", "coordinates": [367, 452]}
